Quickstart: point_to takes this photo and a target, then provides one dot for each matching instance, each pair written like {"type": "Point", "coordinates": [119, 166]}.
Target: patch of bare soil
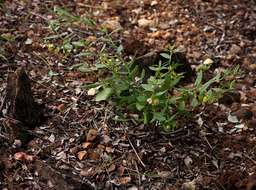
{"type": "Point", "coordinates": [81, 146]}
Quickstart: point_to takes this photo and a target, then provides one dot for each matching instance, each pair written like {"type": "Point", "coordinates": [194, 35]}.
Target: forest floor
{"type": "Point", "coordinates": [80, 145]}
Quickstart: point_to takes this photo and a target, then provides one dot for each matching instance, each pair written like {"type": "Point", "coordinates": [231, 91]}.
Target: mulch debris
{"type": "Point", "coordinates": [80, 145]}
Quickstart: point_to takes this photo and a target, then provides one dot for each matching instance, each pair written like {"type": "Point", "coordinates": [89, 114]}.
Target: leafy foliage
{"type": "Point", "coordinates": [159, 100]}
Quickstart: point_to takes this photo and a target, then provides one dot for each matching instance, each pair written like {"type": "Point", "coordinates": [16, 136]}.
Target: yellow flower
{"type": "Point", "coordinates": [205, 99]}
{"type": "Point", "coordinates": [155, 102]}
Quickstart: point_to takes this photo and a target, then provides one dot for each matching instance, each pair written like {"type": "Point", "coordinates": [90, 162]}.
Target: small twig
{"type": "Point", "coordinates": [8, 66]}
{"type": "Point", "coordinates": [204, 137]}
{"type": "Point", "coordinates": [138, 172]}
{"type": "Point", "coordinates": [2, 105]}
{"type": "Point", "coordinates": [248, 157]}
{"type": "Point", "coordinates": [136, 153]}
{"type": "Point", "coordinates": [90, 6]}
{"type": "Point", "coordinates": [42, 58]}
{"type": "Point", "coordinates": [38, 15]}
{"type": "Point", "coordinates": [45, 86]}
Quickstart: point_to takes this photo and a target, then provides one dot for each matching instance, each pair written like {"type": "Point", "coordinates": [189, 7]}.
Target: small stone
{"type": "Point", "coordinates": [188, 161]}
{"type": "Point", "coordinates": [156, 34]}
{"type": "Point", "coordinates": [112, 24]}
{"type": "Point", "coordinates": [189, 185]}
{"type": "Point", "coordinates": [145, 22]}
{"type": "Point", "coordinates": [17, 143]}
{"type": "Point", "coordinates": [234, 50]}
{"type": "Point", "coordinates": [252, 67]}
{"type": "Point", "coordinates": [153, 3]}
{"type": "Point", "coordinates": [91, 92]}
{"type": "Point", "coordinates": [164, 174]}
{"type": "Point", "coordinates": [28, 41]}
{"type": "Point", "coordinates": [208, 61]}
{"type": "Point", "coordinates": [164, 25]}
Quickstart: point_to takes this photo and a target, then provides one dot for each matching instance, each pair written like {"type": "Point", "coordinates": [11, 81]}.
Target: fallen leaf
{"type": "Point", "coordinates": [106, 139]}
{"type": "Point", "coordinates": [133, 188]}
{"type": "Point", "coordinates": [51, 138]}
{"type": "Point", "coordinates": [22, 156]}
{"type": "Point", "coordinates": [109, 149]}
{"type": "Point", "coordinates": [101, 147]}
{"type": "Point", "coordinates": [91, 136]}
{"type": "Point", "coordinates": [121, 181]}
{"type": "Point", "coordinates": [28, 41]}
{"type": "Point", "coordinates": [164, 174]}
{"type": "Point", "coordinates": [188, 161]}
{"type": "Point", "coordinates": [94, 156]}
{"type": "Point", "coordinates": [240, 126]}
{"type": "Point", "coordinates": [61, 107]}
{"type": "Point", "coordinates": [73, 150]}
{"type": "Point", "coordinates": [111, 168]}
{"type": "Point", "coordinates": [87, 145]}
{"type": "Point", "coordinates": [120, 170]}
{"type": "Point", "coordinates": [233, 119]}
{"type": "Point", "coordinates": [82, 154]}
{"type": "Point", "coordinates": [61, 155]}
{"type": "Point", "coordinates": [87, 172]}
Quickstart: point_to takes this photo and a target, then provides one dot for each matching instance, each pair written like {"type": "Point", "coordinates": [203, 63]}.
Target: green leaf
{"type": "Point", "coordinates": [173, 100]}
{"type": "Point", "coordinates": [169, 82]}
{"type": "Point", "coordinates": [194, 103]}
{"type": "Point", "coordinates": [145, 117]}
{"type": "Point", "coordinates": [84, 54]}
{"type": "Point", "coordinates": [100, 66]}
{"type": "Point", "coordinates": [104, 94]}
{"type": "Point", "coordinates": [75, 66]}
{"type": "Point", "coordinates": [210, 82]}
{"type": "Point", "coordinates": [199, 78]}
{"type": "Point", "coordinates": [158, 116]}
{"type": "Point", "coordinates": [86, 69]}
{"type": "Point", "coordinates": [80, 43]}
{"type": "Point", "coordinates": [148, 87]}
{"type": "Point", "coordinates": [161, 93]}
{"type": "Point", "coordinates": [52, 73]}
{"type": "Point", "coordinates": [155, 68]}
{"type": "Point", "coordinates": [181, 106]}
{"type": "Point", "coordinates": [141, 99]}
{"type": "Point", "coordinates": [139, 106]}
{"type": "Point", "coordinates": [166, 55]}
{"type": "Point", "coordinates": [52, 37]}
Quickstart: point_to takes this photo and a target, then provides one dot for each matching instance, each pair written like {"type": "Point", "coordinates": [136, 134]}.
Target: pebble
{"type": "Point", "coordinates": [145, 22]}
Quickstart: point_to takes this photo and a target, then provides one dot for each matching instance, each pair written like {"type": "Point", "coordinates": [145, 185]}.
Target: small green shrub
{"type": "Point", "coordinates": [159, 100]}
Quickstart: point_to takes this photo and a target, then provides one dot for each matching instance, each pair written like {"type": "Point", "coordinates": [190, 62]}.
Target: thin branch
{"type": "Point", "coordinates": [136, 153]}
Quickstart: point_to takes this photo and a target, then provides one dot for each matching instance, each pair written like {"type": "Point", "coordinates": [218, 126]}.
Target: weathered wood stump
{"type": "Point", "coordinates": [18, 107]}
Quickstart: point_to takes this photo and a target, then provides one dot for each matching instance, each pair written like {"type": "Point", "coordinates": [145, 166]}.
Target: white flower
{"type": "Point", "coordinates": [149, 100]}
